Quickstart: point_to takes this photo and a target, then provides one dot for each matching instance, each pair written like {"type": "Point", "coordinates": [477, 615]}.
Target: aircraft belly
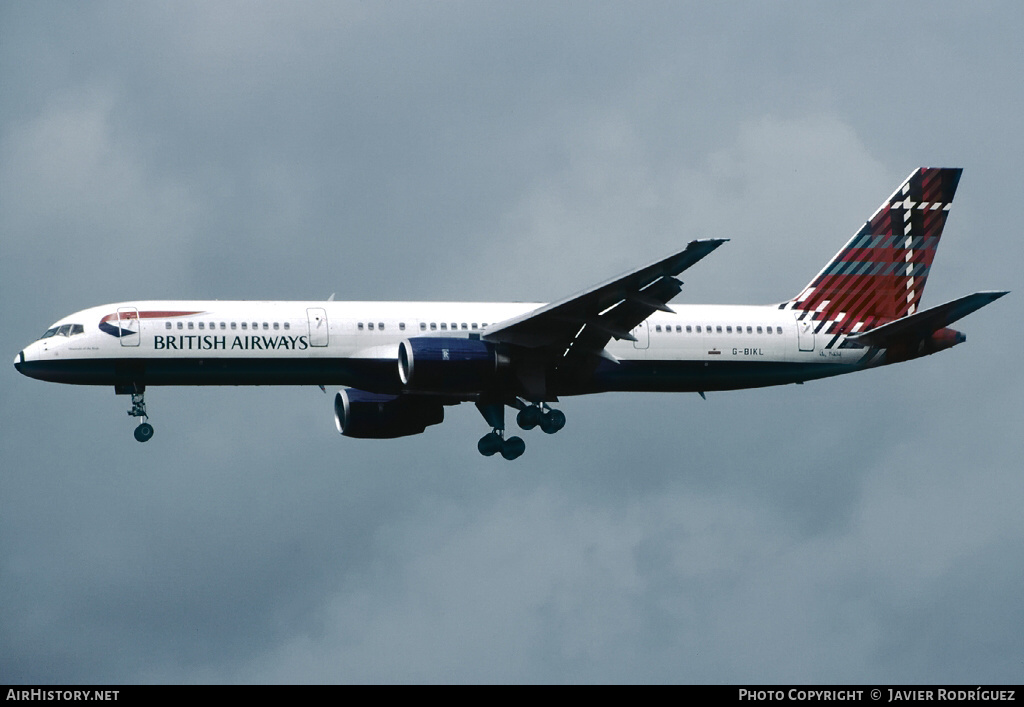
{"type": "Point", "coordinates": [370, 374]}
{"type": "Point", "coordinates": [694, 376]}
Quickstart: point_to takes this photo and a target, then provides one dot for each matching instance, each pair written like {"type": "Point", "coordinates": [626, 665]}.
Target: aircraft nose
{"type": "Point", "coordinates": [18, 360]}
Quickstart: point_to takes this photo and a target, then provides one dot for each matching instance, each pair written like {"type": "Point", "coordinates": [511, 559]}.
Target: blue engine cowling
{"type": "Point", "coordinates": [450, 365]}
{"type": "Point", "coordinates": [375, 416]}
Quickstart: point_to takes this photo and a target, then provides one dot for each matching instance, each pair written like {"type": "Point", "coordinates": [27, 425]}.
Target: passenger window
{"type": "Point", "coordinates": [276, 326]}
{"type": "Point", "coordinates": [401, 326]}
{"type": "Point", "coordinates": [679, 328]}
{"type": "Point", "coordinates": [778, 330]}
{"type": "Point", "coordinates": [201, 325]}
{"type": "Point", "coordinates": [473, 325]}
{"type": "Point", "coordinates": [423, 326]}
{"type": "Point", "coordinates": [759, 330]}
{"type": "Point", "coordinates": [167, 325]}
{"type": "Point", "coordinates": [265, 326]}
{"type": "Point", "coordinates": [658, 328]}
{"type": "Point", "coordinates": [728, 330]}
{"type": "Point", "coordinates": [234, 326]}
{"type": "Point", "coordinates": [689, 329]}
{"type": "Point", "coordinates": [191, 325]}
{"type": "Point", "coordinates": [444, 326]}
{"type": "Point", "coordinates": [245, 326]}
{"type": "Point", "coordinates": [718, 328]}
{"type": "Point", "coordinates": [465, 326]}
{"type": "Point", "coordinates": [370, 326]}
{"type": "Point", "coordinates": [380, 326]}
{"type": "Point", "coordinates": [287, 326]}
{"type": "Point", "coordinates": [433, 326]}
{"type": "Point", "coordinates": [749, 330]}
{"type": "Point", "coordinates": [455, 326]}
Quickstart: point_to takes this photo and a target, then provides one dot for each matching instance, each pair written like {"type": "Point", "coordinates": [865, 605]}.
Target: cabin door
{"type": "Point", "coordinates": [318, 335]}
{"type": "Point", "coordinates": [805, 334]}
{"type": "Point", "coordinates": [128, 323]}
{"type": "Point", "coordinates": [643, 336]}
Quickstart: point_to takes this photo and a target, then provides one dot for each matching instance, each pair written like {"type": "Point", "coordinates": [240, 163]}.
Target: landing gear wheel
{"type": "Point", "coordinates": [144, 432]}
{"type": "Point", "coordinates": [513, 448]}
{"type": "Point", "coordinates": [490, 444]}
{"type": "Point", "coordinates": [552, 421]}
{"type": "Point", "coordinates": [529, 417]}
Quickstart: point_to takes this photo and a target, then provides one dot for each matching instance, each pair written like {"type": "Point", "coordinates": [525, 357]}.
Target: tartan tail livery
{"type": "Point", "coordinates": [869, 293]}
{"type": "Point", "coordinates": [402, 363]}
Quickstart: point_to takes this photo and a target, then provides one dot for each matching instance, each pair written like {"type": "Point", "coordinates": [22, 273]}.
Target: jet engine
{"type": "Point", "coordinates": [450, 365]}
{"type": "Point", "coordinates": [358, 413]}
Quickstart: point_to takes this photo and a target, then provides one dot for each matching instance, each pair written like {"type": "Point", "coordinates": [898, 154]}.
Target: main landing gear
{"type": "Point", "coordinates": [494, 442]}
{"type": "Point", "coordinates": [529, 416]}
{"type": "Point", "coordinates": [549, 419]}
{"type": "Point", "coordinates": [144, 432]}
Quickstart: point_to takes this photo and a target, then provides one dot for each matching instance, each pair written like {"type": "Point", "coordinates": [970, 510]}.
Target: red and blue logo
{"type": "Point", "coordinates": [126, 322]}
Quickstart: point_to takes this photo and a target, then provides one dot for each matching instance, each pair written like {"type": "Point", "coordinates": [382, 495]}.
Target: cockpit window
{"type": "Point", "coordinates": [64, 330]}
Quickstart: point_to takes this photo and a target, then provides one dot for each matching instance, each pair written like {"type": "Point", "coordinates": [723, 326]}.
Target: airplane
{"type": "Point", "coordinates": [401, 363]}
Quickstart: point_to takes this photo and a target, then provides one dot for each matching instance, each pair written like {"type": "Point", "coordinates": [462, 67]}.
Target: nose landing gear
{"type": "Point", "coordinates": [144, 432]}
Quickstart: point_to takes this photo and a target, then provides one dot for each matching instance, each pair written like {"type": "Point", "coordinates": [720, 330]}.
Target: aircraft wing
{"type": "Point", "coordinates": [923, 323]}
{"type": "Point", "coordinates": [586, 321]}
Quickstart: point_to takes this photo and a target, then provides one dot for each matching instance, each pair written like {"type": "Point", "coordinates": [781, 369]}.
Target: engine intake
{"type": "Point", "coordinates": [450, 365]}
{"type": "Point", "coordinates": [358, 413]}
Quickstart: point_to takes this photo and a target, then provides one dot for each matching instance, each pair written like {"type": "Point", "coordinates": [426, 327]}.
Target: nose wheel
{"type": "Point", "coordinates": [144, 432]}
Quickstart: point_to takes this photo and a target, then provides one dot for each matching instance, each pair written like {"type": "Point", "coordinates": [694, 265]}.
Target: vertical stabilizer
{"type": "Point", "coordinates": [880, 274]}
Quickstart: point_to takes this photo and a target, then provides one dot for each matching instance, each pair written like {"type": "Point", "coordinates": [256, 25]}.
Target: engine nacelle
{"type": "Point", "coordinates": [375, 416]}
{"type": "Point", "coordinates": [450, 365]}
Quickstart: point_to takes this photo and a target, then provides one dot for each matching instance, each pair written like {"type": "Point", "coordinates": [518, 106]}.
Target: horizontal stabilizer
{"type": "Point", "coordinates": [924, 323]}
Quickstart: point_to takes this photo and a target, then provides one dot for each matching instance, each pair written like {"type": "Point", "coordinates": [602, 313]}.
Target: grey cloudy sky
{"type": "Point", "coordinates": [862, 529]}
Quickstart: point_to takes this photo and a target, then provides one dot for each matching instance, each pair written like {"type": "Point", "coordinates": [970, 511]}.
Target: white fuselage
{"type": "Point", "coordinates": [344, 343]}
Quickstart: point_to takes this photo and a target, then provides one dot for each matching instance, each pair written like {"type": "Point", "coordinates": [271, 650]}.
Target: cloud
{"type": "Point", "coordinates": [82, 198]}
{"type": "Point", "coordinates": [788, 192]}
